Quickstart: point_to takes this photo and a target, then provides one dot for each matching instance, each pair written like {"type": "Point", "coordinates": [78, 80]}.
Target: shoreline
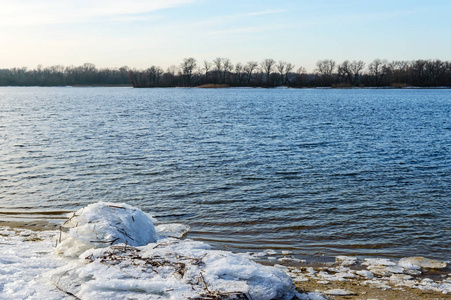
{"type": "Point", "coordinates": [338, 278]}
{"type": "Point", "coordinates": [55, 222]}
{"type": "Point", "coordinates": [225, 86]}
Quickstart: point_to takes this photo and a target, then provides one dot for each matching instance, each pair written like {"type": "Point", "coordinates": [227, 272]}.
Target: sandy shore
{"type": "Point", "coordinates": [362, 291]}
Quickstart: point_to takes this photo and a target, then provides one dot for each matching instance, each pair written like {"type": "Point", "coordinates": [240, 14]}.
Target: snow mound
{"type": "Point", "coordinates": [103, 224]}
{"type": "Point", "coordinates": [114, 251]}
{"type": "Point", "coordinates": [171, 269]}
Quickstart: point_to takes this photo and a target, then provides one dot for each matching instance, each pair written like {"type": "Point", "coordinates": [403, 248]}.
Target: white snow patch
{"type": "Point", "coordinates": [24, 256]}
{"type": "Point", "coordinates": [102, 224]}
{"type": "Point", "coordinates": [112, 251]}
{"type": "Point", "coordinates": [175, 269]}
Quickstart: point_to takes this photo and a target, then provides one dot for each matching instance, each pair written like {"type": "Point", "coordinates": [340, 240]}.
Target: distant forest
{"type": "Point", "coordinates": [222, 73]}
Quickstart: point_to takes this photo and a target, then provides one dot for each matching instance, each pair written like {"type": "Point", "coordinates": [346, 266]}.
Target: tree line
{"type": "Point", "coordinates": [221, 72]}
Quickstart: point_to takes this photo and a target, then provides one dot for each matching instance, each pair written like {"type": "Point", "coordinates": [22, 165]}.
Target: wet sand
{"type": "Point", "coordinates": [35, 225]}
{"type": "Point", "coordinates": [367, 292]}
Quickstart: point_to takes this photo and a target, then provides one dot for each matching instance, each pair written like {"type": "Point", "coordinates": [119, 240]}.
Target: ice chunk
{"type": "Point", "coordinates": [400, 277]}
{"type": "Point", "coordinates": [378, 262]}
{"type": "Point", "coordinates": [366, 274]}
{"type": "Point", "coordinates": [172, 230]}
{"type": "Point", "coordinates": [300, 278]}
{"type": "Point", "coordinates": [174, 269]}
{"type": "Point", "coordinates": [258, 254]}
{"type": "Point", "coordinates": [286, 259]}
{"type": "Point", "coordinates": [339, 292]}
{"type": "Point", "coordinates": [270, 252]}
{"type": "Point", "coordinates": [346, 260]}
{"type": "Point", "coordinates": [310, 296]}
{"type": "Point", "coordinates": [103, 224]}
{"type": "Point", "coordinates": [414, 263]}
{"type": "Point", "coordinates": [384, 271]}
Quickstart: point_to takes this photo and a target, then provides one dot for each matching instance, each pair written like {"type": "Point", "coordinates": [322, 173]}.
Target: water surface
{"type": "Point", "coordinates": [319, 172]}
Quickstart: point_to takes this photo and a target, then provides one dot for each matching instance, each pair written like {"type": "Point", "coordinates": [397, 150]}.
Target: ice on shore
{"type": "Point", "coordinates": [339, 292]}
{"type": "Point", "coordinates": [25, 256]}
{"type": "Point", "coordinates": [416, 263]}
{"type": "Point", "coordinates": [174, 230]}
{"type": "Point", "coordinates": [346, 260]}
{"type": "Point", "coordinates": [175, 269]}
{"type": "Point", "coordinates": [102, 224]}
{"type": "Point", "coordinates": [122, 255]}
{"type": "Point", "coordinates": [381, 273]}
{"type": "Point", "coordinates": [113, 251]}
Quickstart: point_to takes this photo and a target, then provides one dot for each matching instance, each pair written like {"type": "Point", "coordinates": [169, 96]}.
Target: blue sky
{"type": "Point", "coordinates": [162, 32]}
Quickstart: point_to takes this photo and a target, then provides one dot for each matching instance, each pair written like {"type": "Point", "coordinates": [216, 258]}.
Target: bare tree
{"type": "Point", "coordinates": [288, 68]}
{"type": "Point", "coordinates": [344, 72]}
{"type": "Point", "coordinates": [227, 67]}
{"type": "Point", "coordinates": [399, 71]}
{"type": "Point", "coordinates": [325, 69]}
{"type": "Point", "coordinates": [281, 68]}
{"type": "Point", "coordinates": [239, 73]}
{"type": "Point", "coordinates": [188, 65]}
{"type": "Point", "coordinates": [159, 73]}
{"type": "Point", "coordinates": [356, 67]}
{"type": "Point", "coordinates": [207, 67]}
{"type": "Point", "coordinates": [377, 70]}
{"type": "Point", "coordinates": [218, 64]}
{"type": "Point", "coordinates": [349, 72]}
{"type": "Point", "coordinates": [301, 76]}
{"type": "Point", "coordinates": [267, 66]}
{"type": "Point", "coordinates": [151, 73]}
{"type": "Point", "coordinates": [249, 69]}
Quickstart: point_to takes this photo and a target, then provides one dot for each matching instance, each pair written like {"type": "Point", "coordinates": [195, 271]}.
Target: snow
{"type": "Point", "coordinates": [175, 268]}
{"type": "Point", "coordinates": [26, 255]}
{"type": "Point", "coordinates": [102, 224]}
{"type": "Point", "coordinates": [113, 251]}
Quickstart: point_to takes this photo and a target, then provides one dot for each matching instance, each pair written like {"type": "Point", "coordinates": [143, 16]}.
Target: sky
{"type": "Point", "coordinates": [139, 34]}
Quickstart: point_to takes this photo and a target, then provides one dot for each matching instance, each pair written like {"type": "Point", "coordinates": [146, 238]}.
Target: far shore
{"type": "Point", "coordinates": [223, 86]}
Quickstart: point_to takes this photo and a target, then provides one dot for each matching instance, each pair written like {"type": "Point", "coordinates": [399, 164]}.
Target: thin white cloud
{"type": "Point", "coordinates": [265, 12]}
{"type": "Point", "coordinates": [29, 12]}
{"type": "Point", "coordinates": [245, 30]}
{"type": "Point", "coordinates": [229, 18]}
